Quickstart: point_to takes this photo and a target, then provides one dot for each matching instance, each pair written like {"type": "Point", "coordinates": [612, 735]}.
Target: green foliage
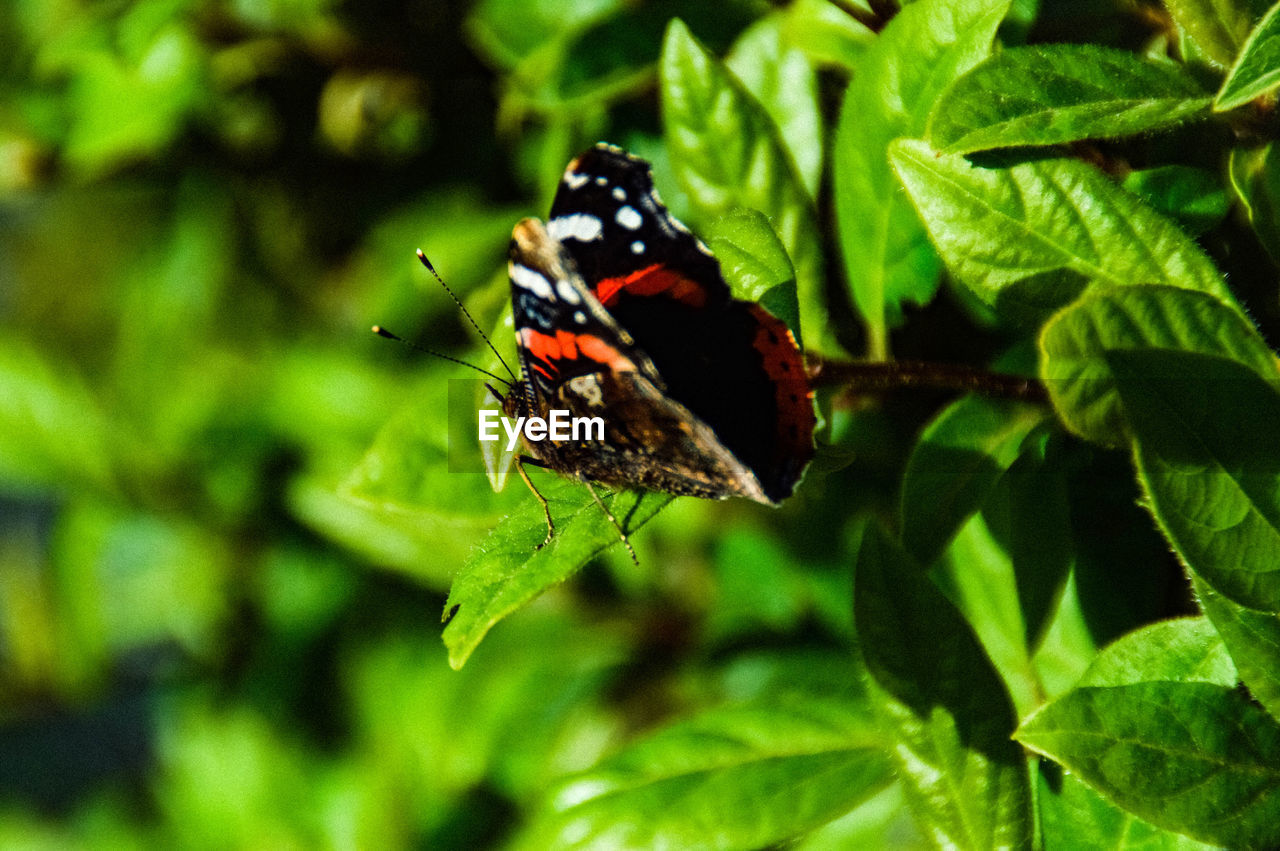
{"type": "Point", "coordinates": [1058, 94]}
{"type": "Point", "coordinates": [943, 700]}
{"type": "Point", "coordinates": [1192, 757]}
{"type": "Point", "coordinates": [1217, 28]}
{"type": "Point", "coordinates": [747, 775]}
{"type": "Point", "coordinates": [887, 258]}
{"type": "Point", "coordinates": [1193, 197]}
{"type": "Point", "coordinates": [1255, 71]}
{"type": "Point", "coordinates": [727, 153]}
{"type": "Point", "coordinates": [956, 463]}
{"type": "Point", "coordinates": [512, 567]}
{"type": "Point", "coordinates": [232, 518]}
{"type": "Point", "coordinates": [1076, 343]}
{"type": "Point", "coordinates": [1028, 237]}
{"type": "Point", "coordinates": [1207, 465]}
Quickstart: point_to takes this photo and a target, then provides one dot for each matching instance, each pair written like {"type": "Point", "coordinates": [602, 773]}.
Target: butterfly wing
{"type": "Point", "coordinates": [577, 358]}
{"type": "Point", "coordinates": [729, 361]}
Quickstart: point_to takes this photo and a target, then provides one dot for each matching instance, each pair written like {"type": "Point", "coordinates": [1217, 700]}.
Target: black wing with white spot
{"type": "Point", "coordinates": [561, 328]}
{"type": "Point", "coordinates": [611, 221]}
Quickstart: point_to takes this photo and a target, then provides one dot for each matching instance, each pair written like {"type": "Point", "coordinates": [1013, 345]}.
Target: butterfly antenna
{"type": "Point", "coordinates": [383, 332]}
{"type": "Point", "coordinates": [432, 269]}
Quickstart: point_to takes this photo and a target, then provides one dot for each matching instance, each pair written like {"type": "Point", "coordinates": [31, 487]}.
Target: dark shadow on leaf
{"type": "Point", "coordinates": [1031, 300]}
{"type": "Point", "coordinates": [920, 650]}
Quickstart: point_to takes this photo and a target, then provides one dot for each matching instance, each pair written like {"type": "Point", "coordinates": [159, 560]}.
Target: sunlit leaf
{"type": "Point", "coordinates": [1074, 816]}
{"type": "Point", "coordinates": [826, 33]}
{"type": "Point", "coordinates": [734, 777]}
{"type": "Point", "coordinates": [887, 258]}
{"type": "Point", "coordinates": [1218, 27]}
{"type": "Point", "coordinates": [1027, 237]}
{"type": "Point", "coordinates": [755, 264]}
{"type": "Point", "coordinates": [508, 569]}
{"type": "Point", "coordinates": [1253, 640]}
{"type": "Point", "coordinates": [1179, 650]}
{"type": "Point", "coordinates": [1060, 93]}
{"type": "Point", "coordinates": [1257, 69]}
{"type": "Point", "coordinates": [1255, 179]}
{"type": "Point", "coordinates": [784, 83]}
{"type": "Point", "coordinates": [1193, 757]}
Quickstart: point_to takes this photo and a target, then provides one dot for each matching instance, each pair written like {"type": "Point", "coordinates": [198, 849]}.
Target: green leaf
{"type": "Point", "coordinates": [1026, 238]}
{"type": "Point", "coordinates": [826, 33]}
{"type": "Point", "coordinates": [1255, 179]}
{"type": "Point", "coordinates": [53, 434]}
{"type": "Point", "coordinates": [1218, 27]}
{"type": "Point", "coordinates": [1060, 93]}
{"type": "Point", "coordinates": [1028, 513]}
{"type": "Point", "coordinates": [1253, 640]}
{"type": "Point", "coordinates": [174, 588]}
{"type": "Point", "coordinates": [1179, 650]}
{"type": "Point", "coordinates": [784, 83]}
{"type": "Point", "coordinates": [130, 108]}
{"type": "Point", "coordinates": [1257, 68]}
{"type": "Point", "coordinates": [727, 153]}
{"type": "Point", "coordinates": [1197, 758]}
{"type": "Point", "coordinates": [1075, 342]}
{"type": "Point", "coordinates": [977, 575]}
{"type": "Point", "coordinates": [424, 543]}
{"type": "Point", "coordinates": [887, 258]}
{"type": "Point", "coordinates": [507, 31]}
{"type": "Point", "coordinates": [755, 264]}
{"type": "Point", "coordinates": [508, 569]}
{"type": "Point", "coordinates": [939, 693]}
{"type": "Point", "coordinates": [1205, 431]}
{"type": "Point", "coordinates": [738, 777]}
{"type": "Point", "coordinates": [1073, 816]}
{"type": "Point", "coordinates": [955, 465]}
{"type": "Point", "coordinates": [418, 500]}
{"type": "Point", "coordinates": [1193, 197]}
{"type": "Point", "coordinates": [513, 717]}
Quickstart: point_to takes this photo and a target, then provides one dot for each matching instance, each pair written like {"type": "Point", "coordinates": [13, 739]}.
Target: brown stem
{"type": "Point", "coordinates": [879, 376]}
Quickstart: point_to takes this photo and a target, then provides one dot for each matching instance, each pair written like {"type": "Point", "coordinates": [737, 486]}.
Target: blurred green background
{"type": "Point", "coordinates": [205, 639]}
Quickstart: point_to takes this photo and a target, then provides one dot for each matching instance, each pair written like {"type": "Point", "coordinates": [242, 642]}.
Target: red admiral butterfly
{"type": "Point", "coordinates": [620, 312]}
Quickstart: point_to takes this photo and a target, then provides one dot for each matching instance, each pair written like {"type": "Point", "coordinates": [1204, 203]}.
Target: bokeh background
{"type": "Point", "coordinates": [206, 640]}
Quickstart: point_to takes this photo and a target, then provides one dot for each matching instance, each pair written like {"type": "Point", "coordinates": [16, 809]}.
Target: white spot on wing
{"type": "Point", "coordinates": [619, 194]}
{"type": "Point", "coordinates": [637, 247]}
{"type": "Point", "coordinates": [587, 387]}
{"type": "Point", "coordinates": [526, 278]}
{"type": "Point", "coordinates": [567, 292]}
{"type": "Point", "coordinates": [580, 317]}
{"type": "Point", "coordinates": [602, 181]}
{"type": "Point", "coordinates": [576, 181]}
{"type": "Point", "coordinates": [579, 226]}
{"type": "Point", "coordinates": [628, 218]}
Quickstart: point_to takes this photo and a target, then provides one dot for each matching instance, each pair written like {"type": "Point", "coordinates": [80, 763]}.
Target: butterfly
{"type": "Point", "coordinates": [622, 313]}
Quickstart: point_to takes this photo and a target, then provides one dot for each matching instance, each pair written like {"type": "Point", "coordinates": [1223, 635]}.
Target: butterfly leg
{"type": "Point", "coordinates": [521, 460]}
{"type": "Point", "coordinates": [626, 542]}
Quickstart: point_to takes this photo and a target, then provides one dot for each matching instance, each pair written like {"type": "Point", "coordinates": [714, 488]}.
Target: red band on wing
{"type": "Point", "coordinates": [784, 365]}
{"type": "Point", "coordinates": [566, 345]}
{"type": "Point", "coordinates": [651, 281]}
